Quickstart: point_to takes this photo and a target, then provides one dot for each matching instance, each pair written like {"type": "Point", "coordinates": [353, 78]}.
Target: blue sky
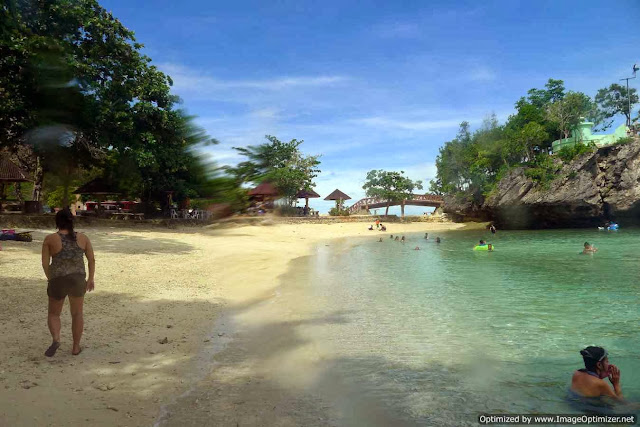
{"type": "Point", "coordinates": [373, 85]}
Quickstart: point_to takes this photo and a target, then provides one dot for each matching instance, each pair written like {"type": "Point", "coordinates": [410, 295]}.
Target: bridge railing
{"type": "Point", "coordinates": [368, 201]}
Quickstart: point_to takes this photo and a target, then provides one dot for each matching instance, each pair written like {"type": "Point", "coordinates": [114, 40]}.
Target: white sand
{"type": "Point", "coordinates": [149, 285]}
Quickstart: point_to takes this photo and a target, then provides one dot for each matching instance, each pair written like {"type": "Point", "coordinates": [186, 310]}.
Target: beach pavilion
{"type": "Point", "coordinates": [265, 193]}
{"type": "Point", "coordinates": [306, 195]}
{"type": "Point", "coordinates": [99, 188]}
{"type": "Point", "coordinates": [339, 197]}
{"type": "Point", "coordinates": [9, 173]}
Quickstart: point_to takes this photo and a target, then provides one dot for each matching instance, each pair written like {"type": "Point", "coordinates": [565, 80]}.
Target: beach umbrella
{"type": "Point", "coordinates": [306, 195]}
{"type": "Point", "coordinates": [338, 196]}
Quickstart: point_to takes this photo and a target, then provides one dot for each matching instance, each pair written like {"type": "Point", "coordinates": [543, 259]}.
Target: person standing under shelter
{"type": "Point", "coordinates": [63, 263]}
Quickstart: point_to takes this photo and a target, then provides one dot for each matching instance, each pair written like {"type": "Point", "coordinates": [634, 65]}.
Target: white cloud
{"type": "Point", "coordinates": [481, 73]}
{"type": "Point", "coordinates": [387, 122]}
{"type": "Point", "coordinates": [398, 30]}
{"type": "Point", "coordinates": [186, 79]}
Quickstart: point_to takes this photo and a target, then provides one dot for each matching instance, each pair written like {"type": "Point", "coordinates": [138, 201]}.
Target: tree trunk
{"type": "Point", "coordinates": [17, 187]}
{"type": "Point", "coordinates": [402, 209]}
{"type": "Point", "coordinates": [386, 213]}
{"type": "Point", "coordinates": [38, 181]}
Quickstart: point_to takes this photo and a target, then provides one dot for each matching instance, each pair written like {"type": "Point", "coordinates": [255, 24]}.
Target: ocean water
{"type": "Point", "coordinates": [440, 335]}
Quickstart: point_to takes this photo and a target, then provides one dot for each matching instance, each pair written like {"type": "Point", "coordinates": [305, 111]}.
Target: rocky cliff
{"type": "Point", "coordinates": [591, 189]}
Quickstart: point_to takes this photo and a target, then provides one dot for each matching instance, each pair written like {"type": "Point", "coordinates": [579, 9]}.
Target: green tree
{"type": "Point", "coordinates": [281, 163]}
{"type": "Point", "coordinates": [614, 100]}
{"type": "Point", "coordinates": [392, 187]}
{"type": "Point", "coordinates": [73, 81]}
{"type": "Point", "coordinates": [567, 112]}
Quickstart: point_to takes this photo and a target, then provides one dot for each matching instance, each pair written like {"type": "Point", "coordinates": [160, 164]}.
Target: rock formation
{"type": "Point", "coordinates": [593, 188]}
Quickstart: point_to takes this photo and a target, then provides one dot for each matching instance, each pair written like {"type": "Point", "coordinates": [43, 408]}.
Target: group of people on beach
{"type": "Point", "coordinates": [379, 226]}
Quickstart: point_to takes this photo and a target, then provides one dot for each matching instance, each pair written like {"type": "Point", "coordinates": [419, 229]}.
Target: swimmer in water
{"type": "Point", "coordinates": [391, 236]}
{"type": "Point", "coordinates": [417, 248]}
{"type": "Point", "coordinates": [492, 228]}
{"type": "Point", "coordinates": [426, 236]}
{"type": "Point", "coordinates": [402, 240]}
{"type": "Point", "coordinates": [589, 382]}
{"type": "Point", "coordinates": [380, 240]}
{"type": "Point", "coordinates": [589, 249]}
{"type": "Point", "coordinates": [437, 240]}
{"type": "Point", "coordinates": [397, 238]}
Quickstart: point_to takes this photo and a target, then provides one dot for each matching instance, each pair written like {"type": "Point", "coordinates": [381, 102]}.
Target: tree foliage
{"type": "Point", "coordinates": [614, 100]}
{"type": "Point", "coordinates": [394, 187]}
{"type": "Point", "coordinates": [280, 163]}
{"type": "Point", "coordinates": [470, 165]}
{"type": "Point", "coordinates": [74, 85]}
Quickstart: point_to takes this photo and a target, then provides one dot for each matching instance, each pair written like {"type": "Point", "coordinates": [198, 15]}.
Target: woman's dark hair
{"type": "Point", "coordinates": [586, 244]}
{"type": "Point", "coordinates": [64, 221]}
{"type": "Point", "coordinates": [591, 356]}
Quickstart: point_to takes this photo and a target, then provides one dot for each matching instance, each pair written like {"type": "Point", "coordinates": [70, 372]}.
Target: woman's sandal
{"type": "Point", "coordinates": [51, 351]}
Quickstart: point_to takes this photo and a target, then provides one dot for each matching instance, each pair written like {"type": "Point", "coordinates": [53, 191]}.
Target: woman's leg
{"type": "Point", "coordinates": [77, 322]}
{"type": "Point", "coordinates": [53, 319]}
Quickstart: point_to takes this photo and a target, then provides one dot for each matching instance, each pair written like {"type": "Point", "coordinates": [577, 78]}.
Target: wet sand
{"type": "Point", "coordinates": [207, 292]}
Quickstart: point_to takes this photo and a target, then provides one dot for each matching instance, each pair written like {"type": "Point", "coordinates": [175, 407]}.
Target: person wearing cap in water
{"type": "Point", "coordinates": [589, 382]}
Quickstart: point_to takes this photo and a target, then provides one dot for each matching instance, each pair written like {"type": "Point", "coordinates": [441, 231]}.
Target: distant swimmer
{"type": "Point", "coordinates": [417, 248]}
{"type": "Point", "coordinates": [397, 238]}
{"type": "Point", "coordinates": [391, 236]}
{"type": "Point", "coordinates": [483, 246]}
{"type": "Point", "coordinates": [589, 382]}
{"type": "Point", "coordinates": [437, 240]}
{"type": "Point", "coordinates": [426, 236]}
{"type": "Point", "coordinates": [492, 228]}
{"type": "Point", "coordinates": [589, 249]}
{"type": "Point", "coordinates": [402, 240]}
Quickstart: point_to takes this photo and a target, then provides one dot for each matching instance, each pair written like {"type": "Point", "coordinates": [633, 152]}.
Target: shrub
{"type": "Point", "coordinates": [284, 210]}
{"type": "Point", "coordinates": [624, 140]}
{"type": "Point", "coordinates": [338, 212]}
{"type": "Point", "coordinates": [567, 154]}
{"type": "Point", "coordinates": [543, 170]}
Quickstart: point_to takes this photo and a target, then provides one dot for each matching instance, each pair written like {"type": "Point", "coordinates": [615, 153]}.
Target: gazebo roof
{"type": "Point", "coordinates": [337, 195]}
{"type": "Point", "coordinates": [97, 186]}
{"type": "Point", "coordinates": [307, 194]}
{"type": "Point", "coordinates": [10, 172]}
{"type": "Point", "coordinates": [264, 189]}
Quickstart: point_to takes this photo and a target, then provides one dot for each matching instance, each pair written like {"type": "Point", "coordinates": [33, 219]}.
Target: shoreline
{"type": "Point", "coordinates": [150, 285]}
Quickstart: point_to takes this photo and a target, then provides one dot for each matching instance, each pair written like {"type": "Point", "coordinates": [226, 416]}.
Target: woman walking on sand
{"type": "Point", "coordinates": [63, 263]}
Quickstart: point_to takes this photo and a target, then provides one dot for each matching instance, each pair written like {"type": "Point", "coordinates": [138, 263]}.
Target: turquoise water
{"type": "Point", "coordinates": [440, 335]}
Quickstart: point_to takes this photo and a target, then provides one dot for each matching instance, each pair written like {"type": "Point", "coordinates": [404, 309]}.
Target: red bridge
{"type": "Point", "coordinates": [417, 200]}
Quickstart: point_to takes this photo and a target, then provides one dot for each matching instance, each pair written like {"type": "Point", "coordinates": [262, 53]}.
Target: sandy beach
{"type": "Point", "coordinates": [152, 285]}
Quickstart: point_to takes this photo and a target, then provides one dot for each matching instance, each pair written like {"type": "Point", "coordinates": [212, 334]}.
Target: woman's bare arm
{"type": "Point", "coordinates": [46, 256]}
{"type": "Point", "coordinates": [88, 251]}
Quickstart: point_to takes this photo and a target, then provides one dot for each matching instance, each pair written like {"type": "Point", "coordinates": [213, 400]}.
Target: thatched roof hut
{"type": "Point", "coordinates": [10, 172]}
{"type": "Point", "coordinates": [337, 195]}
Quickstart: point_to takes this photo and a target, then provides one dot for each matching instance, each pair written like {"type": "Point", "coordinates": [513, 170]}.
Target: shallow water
{"type": "Point", "coordinates": [440, 335]}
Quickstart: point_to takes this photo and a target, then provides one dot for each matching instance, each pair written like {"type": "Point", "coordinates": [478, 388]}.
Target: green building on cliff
{"type": "Point", "coordinates": [582, 134]}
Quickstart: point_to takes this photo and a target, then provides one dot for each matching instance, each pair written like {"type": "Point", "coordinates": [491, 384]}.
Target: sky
{"type": "Point", "coordinates": [373, 84]}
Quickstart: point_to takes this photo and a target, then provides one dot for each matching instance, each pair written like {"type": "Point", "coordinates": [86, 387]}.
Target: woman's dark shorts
{"type": "Point", "coordinates": [74, 285]}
